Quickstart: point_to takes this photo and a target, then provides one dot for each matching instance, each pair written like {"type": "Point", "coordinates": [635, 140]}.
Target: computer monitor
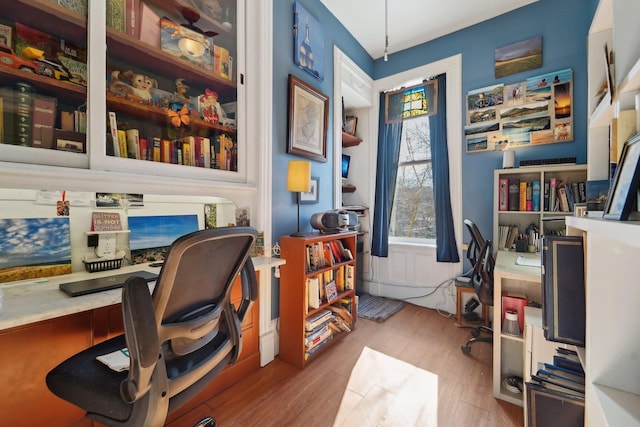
{"type": "Point", "coordinates": [151, 236]}
{"type": "Point", "coordinates": [346, 161]}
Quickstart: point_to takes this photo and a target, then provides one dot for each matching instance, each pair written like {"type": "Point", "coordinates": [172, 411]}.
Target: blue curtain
{"type": "Point", "coordinates": [445, 236]}
{"type": "Point", "coordinates": [389, 139]}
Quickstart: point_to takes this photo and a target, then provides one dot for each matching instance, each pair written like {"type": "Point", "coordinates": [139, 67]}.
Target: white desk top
{"type": "Point", "coordinates": [506, 266]}
{"type": "Point", "coordinates": [30, 301]}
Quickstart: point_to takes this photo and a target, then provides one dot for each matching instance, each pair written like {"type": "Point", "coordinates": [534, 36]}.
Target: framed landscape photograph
{"type": "Point", "coordinates": [308, 118]}
{"type": "Point", "coordinates": [517, 57]}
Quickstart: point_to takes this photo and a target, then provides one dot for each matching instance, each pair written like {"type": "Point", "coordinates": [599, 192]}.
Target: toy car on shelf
{"type": "Point", "coordinates": [7, 57]}
{"type": "Point", "coordinates": [47, 67]}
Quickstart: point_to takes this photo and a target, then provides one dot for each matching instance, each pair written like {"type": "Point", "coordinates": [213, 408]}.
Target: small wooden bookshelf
{"type": "Point", "coordinates": [314, 261]}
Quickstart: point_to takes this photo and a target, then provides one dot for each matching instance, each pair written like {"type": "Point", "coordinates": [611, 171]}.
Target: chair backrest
{"type": "Point", "coordinates": [482, 276]}
{"type": "Point", "coordinates": [477, 241]}
{"type": "Point", "coordinates": [197, 330]}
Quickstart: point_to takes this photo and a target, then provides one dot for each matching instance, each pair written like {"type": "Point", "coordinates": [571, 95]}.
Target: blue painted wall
{"type": "Point", "coordinates": [285, 213]}
{"type": "Point", "coordinates": [563, 24]}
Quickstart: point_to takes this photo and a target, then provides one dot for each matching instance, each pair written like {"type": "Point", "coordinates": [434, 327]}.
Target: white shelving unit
{"type": "Point", "coordinates": [509, 350]}
{"type": "Point", "coordinates": [566, 173]}
{"type": "Point", "coordinates": [613, 385]}
{"type": "Point", "coordinates": [611, 358]}
{"type": "Point", "coordinates": [613, 25]}
{"type": "Point", "coordinates": [612, 247]}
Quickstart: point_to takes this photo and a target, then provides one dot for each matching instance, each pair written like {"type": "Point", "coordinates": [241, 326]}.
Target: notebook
{"type": "Point", "coordinates": [99, 284]}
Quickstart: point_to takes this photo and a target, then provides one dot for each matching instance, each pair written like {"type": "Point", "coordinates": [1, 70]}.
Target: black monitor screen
{"type": "Point", "coordinates": [151, 236]}
{"type": "Point", "coordinates": [346, 159]}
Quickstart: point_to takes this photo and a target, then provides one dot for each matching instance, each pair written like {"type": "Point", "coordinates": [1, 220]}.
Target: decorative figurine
{"type": "Point", "coordinates": [181, 90]}
{"type": "Point", "coordinates": [210, 108]}
{"type": "Point", "coordinates": [132, 85]}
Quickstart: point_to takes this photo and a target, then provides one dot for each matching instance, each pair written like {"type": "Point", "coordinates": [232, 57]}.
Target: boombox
{"type": "Point", "coordinates": [333, 221]}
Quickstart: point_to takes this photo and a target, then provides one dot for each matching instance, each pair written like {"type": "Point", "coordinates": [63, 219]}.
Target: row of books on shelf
{"type": "Point", "coordinates": [325, 287]}
{"type": "Point", "coordinates": [554, 196]}
{"type": "Point", "coordinates": [326, 254]}
{"type": "Point", "coordinates": [565, 376]}
{"type": "Point", "coordinates": [190, 150]}
{"type": "Point", "coordinates": [317, 332]}
{"type": "Point", "coordinates": [30, 119]}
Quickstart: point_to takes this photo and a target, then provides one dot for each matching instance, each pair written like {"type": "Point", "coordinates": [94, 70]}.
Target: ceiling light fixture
{"type": "Point", "coordinates": [386, 30]}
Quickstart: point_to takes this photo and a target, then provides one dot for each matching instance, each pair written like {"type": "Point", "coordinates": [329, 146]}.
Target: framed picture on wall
{"type": "Point", "coordinates": [308, 44]}
{"type": "Point", "coordinates": [308, 118]}
{"type": "Point", "coordinates": [311, 196]}
{"type": "Point", "coordinates": [350, 125]}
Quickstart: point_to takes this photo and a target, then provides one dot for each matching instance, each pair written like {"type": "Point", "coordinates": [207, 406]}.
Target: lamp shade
{"type": "Point", "coordinates": [299, 176]}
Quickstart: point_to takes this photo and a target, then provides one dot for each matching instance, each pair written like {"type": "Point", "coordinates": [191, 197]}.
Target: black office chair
{"type": "Point", "coordinates": [480, 252]}
{"type": "Point", "coordinates": [179, 339]}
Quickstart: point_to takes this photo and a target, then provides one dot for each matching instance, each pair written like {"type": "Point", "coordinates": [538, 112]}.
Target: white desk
{"type": "Point", "coordinates": [508, 350]}
{"type": "Point", "coordinates": [30, 301]}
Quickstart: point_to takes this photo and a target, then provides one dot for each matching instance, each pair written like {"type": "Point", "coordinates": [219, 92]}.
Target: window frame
{"type": "Point", "coordinates": [452, 67]}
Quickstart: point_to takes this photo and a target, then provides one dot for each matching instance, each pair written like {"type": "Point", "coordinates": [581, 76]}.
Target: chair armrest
{"type": "Point", "coordinates": [249, 288]}
{"type": "Point", "coordinates": [141, 335]}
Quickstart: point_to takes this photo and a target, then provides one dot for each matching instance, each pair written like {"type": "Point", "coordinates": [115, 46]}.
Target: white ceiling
{"type": "Point", "coordinates": [412, 22]}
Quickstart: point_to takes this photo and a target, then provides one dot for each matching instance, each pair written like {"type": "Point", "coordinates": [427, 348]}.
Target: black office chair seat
{"type": "Point", "coordinates": [179, 340]}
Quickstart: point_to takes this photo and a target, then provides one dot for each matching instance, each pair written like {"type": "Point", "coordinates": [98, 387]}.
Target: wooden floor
{"type": "Point", "coordinates": [280, 395]}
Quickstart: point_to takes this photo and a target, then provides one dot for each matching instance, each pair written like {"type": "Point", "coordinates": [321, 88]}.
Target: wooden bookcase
{"type": "Point", "coordinates": [294, 299]}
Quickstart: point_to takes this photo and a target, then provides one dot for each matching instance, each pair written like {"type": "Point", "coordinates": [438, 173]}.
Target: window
{"type": "Point", "coordinates": [413, 213]}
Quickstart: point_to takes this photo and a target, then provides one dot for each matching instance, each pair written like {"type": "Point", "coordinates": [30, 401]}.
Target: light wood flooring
{"type": "Point", "coordinates": [281, 395]}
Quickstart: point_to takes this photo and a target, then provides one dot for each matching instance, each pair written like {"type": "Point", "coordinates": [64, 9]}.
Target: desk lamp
{"type": "Point", "coordinates": [298, 180]}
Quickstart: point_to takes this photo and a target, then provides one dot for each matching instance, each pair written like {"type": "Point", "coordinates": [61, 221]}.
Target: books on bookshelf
{"type": "Point", "coordinates": [553, 195]}
{"type": "Point", "coordinates": [328, 285]}
{"type": "Point", "coordinates": [326, 254]}
{"type": "Point", "coordinates": [196, 151]}
{"type": "Point", "coordinates": [23, 117]}
{"type": "Point", "coordinates": [44, 120]}
{"type": "Point", "coordinates": [317, 319]}
{"type": "Point", "coordinates": [315, 338]}
{"type": "Point", "coordinates": [564, 379]}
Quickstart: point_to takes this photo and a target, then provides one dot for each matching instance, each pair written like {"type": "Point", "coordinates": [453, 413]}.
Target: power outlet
{"type": "Point", "coordinates": [106, 245]}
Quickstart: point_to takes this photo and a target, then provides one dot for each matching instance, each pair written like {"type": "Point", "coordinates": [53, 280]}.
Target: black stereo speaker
{"type": "Point", "coordinates": [334, 220]}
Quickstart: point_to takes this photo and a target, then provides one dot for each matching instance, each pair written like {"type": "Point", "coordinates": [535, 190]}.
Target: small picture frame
{"type": "Point", "coordinates": [311, 196]}
{"type": "Point", "coordinates": [350, 125]}
{"type": "Point", "coordinates": [623, 192]}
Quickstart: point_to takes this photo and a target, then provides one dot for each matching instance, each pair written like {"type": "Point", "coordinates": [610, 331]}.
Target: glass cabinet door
{"type": "Point", "coordinates": [171, 87]}
{"type": "Point", "coordinates": [43, 82]}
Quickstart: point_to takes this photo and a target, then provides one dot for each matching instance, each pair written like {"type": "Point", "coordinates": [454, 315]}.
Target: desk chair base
{"type": "Point", "coordinates": [466, 349]}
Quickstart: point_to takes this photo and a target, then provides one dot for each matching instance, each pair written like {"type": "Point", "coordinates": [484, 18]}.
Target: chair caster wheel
{"type": "Point", "coordinates": [475, 333]}
{"type": "Point", "coordinates": [465, 349]}
{"type": "Point", "coordinates": [207, 422]}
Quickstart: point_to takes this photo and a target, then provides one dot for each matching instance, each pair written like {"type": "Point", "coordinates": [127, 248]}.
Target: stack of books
{"type": "Point", "coordinates": [317, 332]}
